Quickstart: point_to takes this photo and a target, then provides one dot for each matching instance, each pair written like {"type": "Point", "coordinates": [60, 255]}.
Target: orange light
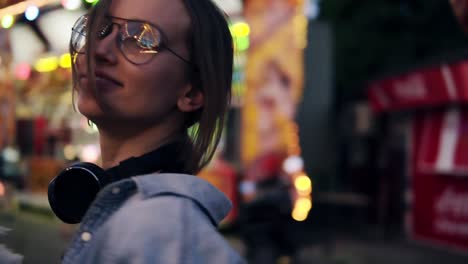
{"type": "Point", "coordinates": [2, 189]}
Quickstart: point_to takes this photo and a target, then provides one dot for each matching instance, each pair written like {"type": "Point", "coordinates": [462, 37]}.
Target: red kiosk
{"type": "Point", "coordinates": [437, 143]}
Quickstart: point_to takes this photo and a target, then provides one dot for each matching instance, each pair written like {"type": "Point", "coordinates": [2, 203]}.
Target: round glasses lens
{"type": "Point", "coordinates": [140, 42]}
{"type": "Point", "coordinates": [78, 37]}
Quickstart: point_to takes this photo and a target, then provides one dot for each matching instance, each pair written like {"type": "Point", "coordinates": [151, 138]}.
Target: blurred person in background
{"type": "Point", "coordinates": [460, 8]}
{"type": "Point", "coordinates": [265, 213]}
{"type": "Point", "coordinates": [145, 72]}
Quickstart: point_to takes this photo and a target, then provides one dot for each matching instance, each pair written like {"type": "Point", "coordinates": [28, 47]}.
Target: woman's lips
{"type": "Point", "coordinates": [107, 77]}
{"type": "Point", "coordinates": [103, 82]}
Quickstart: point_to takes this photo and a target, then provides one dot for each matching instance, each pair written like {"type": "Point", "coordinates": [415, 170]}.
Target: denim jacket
{"type": "Point", "coordinates": [155, 218]}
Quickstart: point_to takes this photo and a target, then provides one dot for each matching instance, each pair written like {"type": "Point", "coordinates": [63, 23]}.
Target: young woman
{"type": "Point", "coordinates": [145, 71]}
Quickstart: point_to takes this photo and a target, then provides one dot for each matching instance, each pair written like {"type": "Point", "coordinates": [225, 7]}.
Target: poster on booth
{"type": "Point", "coordinates": [444, 148]}
{"type": "Point", "coordinates": [439, 181]}
{"type": "Point", "coordinates": [274, 77]}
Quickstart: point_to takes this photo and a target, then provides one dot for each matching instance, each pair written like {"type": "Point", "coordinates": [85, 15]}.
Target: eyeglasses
{"type": "Point", "coordinates": [139, 41]}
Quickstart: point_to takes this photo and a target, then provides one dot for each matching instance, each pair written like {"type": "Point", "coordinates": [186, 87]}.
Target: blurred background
{"type": "Point", "coordinates": [346, 141]}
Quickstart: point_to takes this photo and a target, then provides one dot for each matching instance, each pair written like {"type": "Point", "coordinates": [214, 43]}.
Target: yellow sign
{"type": "Point", "coordinates": [274, 77]}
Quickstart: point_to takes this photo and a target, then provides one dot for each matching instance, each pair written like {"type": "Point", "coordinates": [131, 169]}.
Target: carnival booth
{"type": "Point", "coordinates": [44, 130]}
{"type": "Point", "coordinates": [433, 100]}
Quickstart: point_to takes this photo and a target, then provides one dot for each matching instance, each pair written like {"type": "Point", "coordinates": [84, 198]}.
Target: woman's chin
{"type": "Point", "coordinates": [89, 109]}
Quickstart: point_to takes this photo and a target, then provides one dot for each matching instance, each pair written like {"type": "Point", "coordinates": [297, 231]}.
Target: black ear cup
{"type": "Point", "coordinates": [74, 189]}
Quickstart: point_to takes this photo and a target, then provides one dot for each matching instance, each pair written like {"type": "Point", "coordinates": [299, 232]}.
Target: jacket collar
{"type": "Point", "coordinates": [215, 204]}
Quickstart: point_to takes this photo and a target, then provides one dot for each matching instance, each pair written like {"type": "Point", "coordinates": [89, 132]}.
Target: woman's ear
{"type": "Point", "coordinates": [191, 100]}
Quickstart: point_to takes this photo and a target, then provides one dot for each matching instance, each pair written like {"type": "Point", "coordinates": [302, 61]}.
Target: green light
{"type": "Point", "coordinates": [242, 43]}
{"type": "Point", "coordinates": [7, 21]}
{"type": "Point", "coordinates": [91, 1]}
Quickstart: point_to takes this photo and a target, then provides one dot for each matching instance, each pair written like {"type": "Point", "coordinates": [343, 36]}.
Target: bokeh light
{"type": "Point", "coordinates": [71, 4]}
{"type": "Point", "coordinates": [293, 164]}
{"type": "Point", "coordinates": [65, 61]}
{"type": "Point", "coordinates": [240, 29]}
{"type": "Point", "coordinates": [303, 184]}
{"type": "Point", "coordinates": [90, 153]}
{"type": "Point", "coordinates": [8, 21]}
{"type": "Point", "coordinates": [31, 13]}
{"type": "Point", "coordinates": [22, 71]}
{"type": "Point", "coordinates": [47, 64]}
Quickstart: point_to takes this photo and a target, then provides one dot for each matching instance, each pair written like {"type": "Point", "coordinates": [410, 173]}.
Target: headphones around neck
{"type": "Point", "coordinates": [73, 190]}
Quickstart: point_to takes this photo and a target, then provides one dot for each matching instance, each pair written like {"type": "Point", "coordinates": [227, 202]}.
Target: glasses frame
{"type": "Point", "coordinates": [120, 39]}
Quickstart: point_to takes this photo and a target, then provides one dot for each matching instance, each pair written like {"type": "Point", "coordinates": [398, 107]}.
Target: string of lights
{"type": "Point", "coordinates": [31, 9]}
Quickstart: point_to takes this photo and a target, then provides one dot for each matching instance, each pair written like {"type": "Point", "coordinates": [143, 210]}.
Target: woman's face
{"type": "Point", "coordinates": [139, 94]}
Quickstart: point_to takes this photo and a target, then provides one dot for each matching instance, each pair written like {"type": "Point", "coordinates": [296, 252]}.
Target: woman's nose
{"type": "Point", "coordinates": [106, 49]}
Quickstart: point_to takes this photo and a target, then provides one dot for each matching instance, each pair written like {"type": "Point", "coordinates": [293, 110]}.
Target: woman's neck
{"type": "Point", "coordinates": [116, 147]}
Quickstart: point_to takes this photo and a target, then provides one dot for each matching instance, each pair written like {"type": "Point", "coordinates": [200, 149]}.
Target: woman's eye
{"type": "Point", "coordinates": [106, 29]}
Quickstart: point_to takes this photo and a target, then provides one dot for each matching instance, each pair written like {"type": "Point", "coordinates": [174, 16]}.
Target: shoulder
{"type": "Point", "coordinates": [166, 227]}
{"type": "Point", "coordinates": [209, 199]}
{"type": "Point", "coordinates": [158, 215]}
